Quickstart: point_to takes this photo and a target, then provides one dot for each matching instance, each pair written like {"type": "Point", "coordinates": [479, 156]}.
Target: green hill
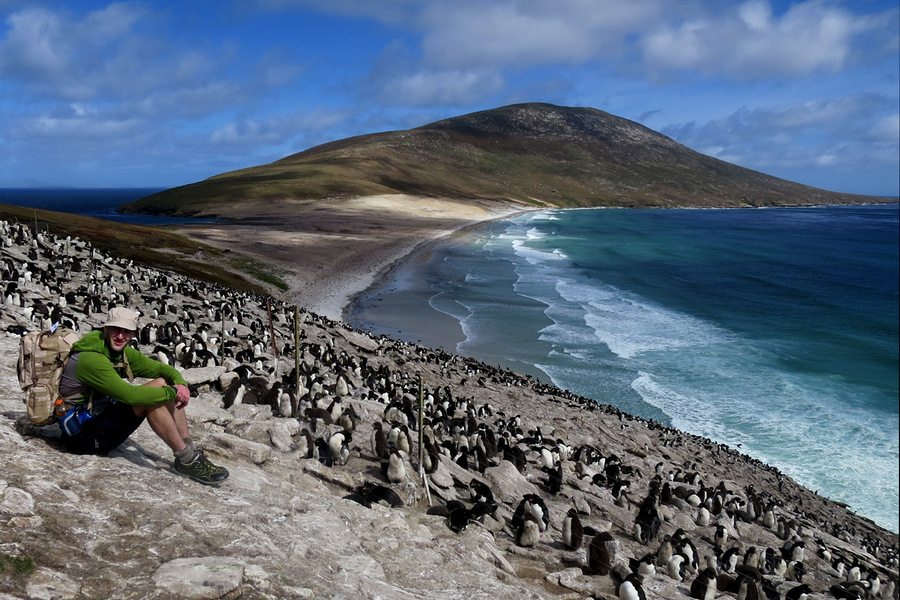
{"type": "Point", "coordinates": [538, 154]}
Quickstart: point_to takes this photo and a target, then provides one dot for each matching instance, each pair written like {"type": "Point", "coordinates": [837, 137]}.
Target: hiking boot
{"type": "Point", "coordinates": [201, 470]}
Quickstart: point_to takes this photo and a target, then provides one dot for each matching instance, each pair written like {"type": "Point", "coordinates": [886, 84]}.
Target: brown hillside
{"type": "Point", "coordinates": [538, 154]}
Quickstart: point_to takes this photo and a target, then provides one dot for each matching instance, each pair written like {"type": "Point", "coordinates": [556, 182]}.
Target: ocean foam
{"type": "Point", "coordinates": [660, 362]}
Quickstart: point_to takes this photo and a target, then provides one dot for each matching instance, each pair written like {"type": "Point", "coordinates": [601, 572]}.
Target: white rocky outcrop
{"type": "Point", "coordinates": [287, 526]}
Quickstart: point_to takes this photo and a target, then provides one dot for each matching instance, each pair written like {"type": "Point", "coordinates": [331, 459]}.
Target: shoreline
{"type": "Point", "coordinates": [355, 311]}
{"type": "Point", "coordinates": [228, 541]}
{"type": "Point", "coordinates": [330, 256]}
{"type": "Point", "coordinates": [361, 267]}
{"type": "Point", "coordinates": [354, 297]}
{"type": "Point", "coordinates": [421, 254]}
{"type": "Point", "coordinates": [401, 309]}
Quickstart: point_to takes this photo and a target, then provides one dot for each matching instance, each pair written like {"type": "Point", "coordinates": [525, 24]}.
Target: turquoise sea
{"type": "Point", "coordinates": [774, 331]}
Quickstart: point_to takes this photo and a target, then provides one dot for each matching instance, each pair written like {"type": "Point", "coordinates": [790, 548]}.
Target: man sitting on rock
{"type": "Point", "coordinates": [94, 375]}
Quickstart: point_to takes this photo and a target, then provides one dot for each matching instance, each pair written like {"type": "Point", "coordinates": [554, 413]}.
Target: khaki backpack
{"type": "Point", "coordinates": [42, 356]}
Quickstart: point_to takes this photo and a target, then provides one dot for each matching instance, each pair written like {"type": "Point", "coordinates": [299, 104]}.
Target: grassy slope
{"type": "Point", "coordinates": [534, 153]}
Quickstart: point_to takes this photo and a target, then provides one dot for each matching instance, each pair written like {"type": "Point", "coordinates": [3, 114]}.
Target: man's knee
{"type": "Point", "coordinates": [146, 409]}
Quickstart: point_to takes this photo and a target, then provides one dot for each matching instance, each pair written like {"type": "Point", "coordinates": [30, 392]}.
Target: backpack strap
{"type": "Point", "coordinates": [126, 365]}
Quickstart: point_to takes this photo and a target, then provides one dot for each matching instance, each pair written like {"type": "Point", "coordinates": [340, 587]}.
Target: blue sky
{"type": "Point", "coordinates": [163, 93]}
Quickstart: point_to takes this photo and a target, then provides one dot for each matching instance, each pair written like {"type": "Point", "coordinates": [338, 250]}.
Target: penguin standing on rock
{"type": "Point", "coordinates": [339, 445]}
{"type": "Point", "coordinates": [394, 469]}
{"type": "Point", "coordinates": [378, 441]}
{"type": "Point", "coordinates": [480, 491]}
{"type": "Point", "coordinates": [704, 586]}
{"type": "Point", "coordinates": [324, 454]}
{"type": "Point", "coordinates": [399, 436]}
{"type": "Point", "coordinates": [531, 504]}
{"type": "Point", "coordinates": [529, 532]}
{"type": "Point", "coordinates": [675, 568]}
{"type": "Point", "coordinates": [748, 588]}
{"type": "Point", "coordinates": [721, 537]}
{"type": "Point", "coordinates": [664, 552]}
{"type": "Point", "coordinates": [234, 393]}
{"type": "Point", "coordinates": [306, 444]}
{"type": "Point", "coordinates": [730, 559]}
{"type": "Point", "coordinates": [554, 478]}
{"type": "Point", "coordinates": [572, 530]}
{"type": "Point", "coordinates": [601, 553]}
{"type": "Point", "coordinates": [647, 522]}
{"type": "Point", "coordinates": [631, 588]}
{"type": "Point", "coordinates": [685, 546]}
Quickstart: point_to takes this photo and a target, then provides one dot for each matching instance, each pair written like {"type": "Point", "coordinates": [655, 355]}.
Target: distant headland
{"type": "Point", "coordinates": [535, 155]}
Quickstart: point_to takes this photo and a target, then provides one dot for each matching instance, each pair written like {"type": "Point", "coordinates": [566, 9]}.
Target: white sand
{"type": "Point", "coordinates": [330, 250]}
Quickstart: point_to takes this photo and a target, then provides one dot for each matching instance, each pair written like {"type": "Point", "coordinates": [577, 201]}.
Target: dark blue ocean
{"type": "Point", "coordinates": [100, 203]}
{"type": "Point", "coordinates": [774, 331]}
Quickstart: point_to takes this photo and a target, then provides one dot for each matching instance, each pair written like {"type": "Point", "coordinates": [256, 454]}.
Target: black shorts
{"type": "Point", "coordinates": [104, 432]}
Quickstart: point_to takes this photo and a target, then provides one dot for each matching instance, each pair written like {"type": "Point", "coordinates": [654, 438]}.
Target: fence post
{"type": "Point", "coordinates": [295, 401]}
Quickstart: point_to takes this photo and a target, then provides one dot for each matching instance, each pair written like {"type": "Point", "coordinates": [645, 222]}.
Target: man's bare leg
{"type": "Point", "coordinates": [169, 423]}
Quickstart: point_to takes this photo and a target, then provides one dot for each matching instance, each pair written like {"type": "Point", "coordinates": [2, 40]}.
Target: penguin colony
{"type": "Point", "coordinates": [661, 519]}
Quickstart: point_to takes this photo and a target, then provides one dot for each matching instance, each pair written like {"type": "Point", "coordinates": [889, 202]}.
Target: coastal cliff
{"type": "Point", "coordinates": [289, 523]}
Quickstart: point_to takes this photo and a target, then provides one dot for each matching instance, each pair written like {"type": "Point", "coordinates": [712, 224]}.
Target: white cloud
{"type": "Point", "coordinates": [757, 15]}
{"type": "Point", "coordinates": [76, 122]}
{"type": "Point", "coordinates": [749, 42]}
{"type": "Point", "coordinates": [846, 132]}
{"type": "Point", "coordinates": [115, 56]}
{"type": "Point", "coordinates": [736, 41]}
{"type": "Point", "coordinates": [506, 40]}
{"type": "Point", "coordinates": [830, 114]}
{"type": "Point", "coordinates": [827, 160]}
{"type": "Point", "coordinates": [886, 130]}
{"type": "Point", "coordinates": [529, 32]}
{"type": "Point", "coordinates": [114, 21]}
{"type": "Point", "coordinates": [469, 47]}
{"type": "Point", "coordinates": [110, 86]}
{"type": "Point", "coordinates": [54, 53]}
{"type": "Point", "coordinates": [79, 128]}
{"type": "Point", "coordinates": [31, 46]}
{"type": "Point", "coordinates": [161, 84]}
{"type": "Point", "coordinates": [275, 130]}
{"type": "Point", "coordinates": [442, 88]}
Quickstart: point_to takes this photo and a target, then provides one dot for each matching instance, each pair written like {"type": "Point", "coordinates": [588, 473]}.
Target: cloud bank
{"type": "Point", "coordinates": [165, 93]}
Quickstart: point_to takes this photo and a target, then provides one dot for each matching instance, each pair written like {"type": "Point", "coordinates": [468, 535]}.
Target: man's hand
{"type": "Point", "coordinates": [182, 395]}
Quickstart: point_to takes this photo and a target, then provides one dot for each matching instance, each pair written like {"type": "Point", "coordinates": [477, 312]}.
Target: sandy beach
{"type": "Point", "coordinates": [330, 251]}
{"type": "Point", "coordinates": [393, 303]}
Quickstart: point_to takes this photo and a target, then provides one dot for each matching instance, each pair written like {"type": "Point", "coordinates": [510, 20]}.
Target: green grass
{"type": "Point", "coordinates": [19, 564]}
{"type": "Point", "coordinates": [260, 272]}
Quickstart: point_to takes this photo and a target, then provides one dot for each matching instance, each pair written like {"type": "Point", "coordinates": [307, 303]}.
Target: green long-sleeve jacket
{"type": "Point", "coordinates": [97, 370]}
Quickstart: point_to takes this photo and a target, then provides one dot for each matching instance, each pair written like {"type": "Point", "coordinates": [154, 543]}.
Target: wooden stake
{"type": "Point", "coordinates": [421, 418]}
{"type": "Point", "coordinates": [295, 401]}
{"type": "Point", "coordinates": [422, 441]}
{"type": "Point", "coordinates": [222, 337]}
{"type": "Point", "coordinates": [272, 328]}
